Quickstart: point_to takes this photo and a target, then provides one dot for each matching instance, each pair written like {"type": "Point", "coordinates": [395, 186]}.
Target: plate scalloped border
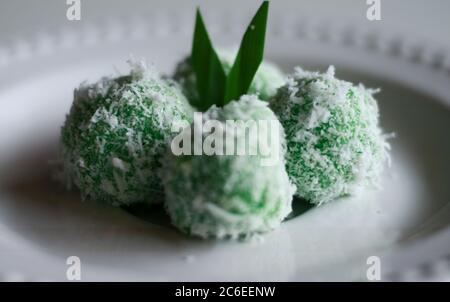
{"type": "Point", "coordinates": [396, 45]}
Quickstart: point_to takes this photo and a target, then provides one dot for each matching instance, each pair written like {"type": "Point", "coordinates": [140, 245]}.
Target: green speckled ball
{"type": "Point", "coordinates": [115, 134]}
{"type": "Point", "coordinates": [229, 196]}
{"type": "Point", "coordinates": [334, 143]}
{"type": "Point", "coordinates": [267, 79]}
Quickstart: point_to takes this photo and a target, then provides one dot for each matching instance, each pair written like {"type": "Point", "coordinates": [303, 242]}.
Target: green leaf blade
{"type": "Point", "coordinates": [210, 76]}
{"type": "Point", "coordinates": [249, 57]}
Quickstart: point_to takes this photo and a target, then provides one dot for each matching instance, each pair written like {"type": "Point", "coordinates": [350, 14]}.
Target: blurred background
{"type": "Point", "coordinates": [422, 18]}
{"type": "Point", "coordinates": [34, 110]}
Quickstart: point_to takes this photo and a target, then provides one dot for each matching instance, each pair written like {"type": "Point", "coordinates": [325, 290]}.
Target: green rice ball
{"type": "Point", "coordinates": [115, 134]}
{"type": "Point", "coordinates": [267, 79]}
{"type": "Point", "coordinates": [229, 196]}
{"type": "Point", "coordinates": [334, 142]}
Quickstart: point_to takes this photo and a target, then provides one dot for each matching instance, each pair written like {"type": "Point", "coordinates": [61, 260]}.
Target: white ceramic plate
{"type": "Point", "coordinates": [405, 224]}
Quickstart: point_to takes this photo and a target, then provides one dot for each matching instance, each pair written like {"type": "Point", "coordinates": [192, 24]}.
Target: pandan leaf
{"type": "Point", "coordinates": [210, 76]}
{"type": "Point", "coordinates": [249, 56]}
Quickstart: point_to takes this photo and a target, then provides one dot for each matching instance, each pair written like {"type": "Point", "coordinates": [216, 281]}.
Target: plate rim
{"type": "Point", "coordinates": [410, 49]}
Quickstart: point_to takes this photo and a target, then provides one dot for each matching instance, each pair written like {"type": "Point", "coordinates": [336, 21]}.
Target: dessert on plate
{"type": "Point", "coordinates": [117, 140]}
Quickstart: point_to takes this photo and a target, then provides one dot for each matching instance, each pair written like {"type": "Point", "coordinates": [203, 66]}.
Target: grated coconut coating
{"type": "Point", "coordinates": [334, 142]}
{"type": "Point", "coordinates": [115, 134]}
{"type": "Point", "coordinates": [267, 79]}
{"type": "Point", "coordinates": [228, 196]}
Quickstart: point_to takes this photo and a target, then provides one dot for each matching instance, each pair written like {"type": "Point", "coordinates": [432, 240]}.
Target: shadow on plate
{"type": "Point", "coordinates": [40, 209]}
{"type": "Point", "coordinates": [156, 214]}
